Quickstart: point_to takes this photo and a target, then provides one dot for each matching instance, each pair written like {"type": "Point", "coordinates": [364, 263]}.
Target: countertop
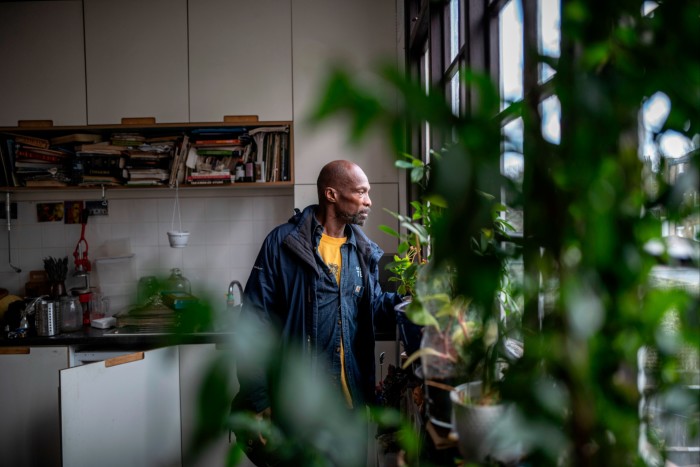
{"type": "Point", "coordinates": [116, 338]}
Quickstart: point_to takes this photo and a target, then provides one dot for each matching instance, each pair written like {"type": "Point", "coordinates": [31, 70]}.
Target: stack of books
{"type": "Point", "coordinates": [212, 177]}
{"type": "Point", "coordinates": [149, 163]}
{"type": "Point", "coordinates": [99, 164]}
{"type": "Point", "coordinates": [36, 164]}
{"type": "Point", "coordinates": [214, 154]}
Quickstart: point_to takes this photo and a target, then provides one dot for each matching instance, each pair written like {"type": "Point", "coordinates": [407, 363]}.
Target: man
{"type": "Point", "coordinates": [316, 282]}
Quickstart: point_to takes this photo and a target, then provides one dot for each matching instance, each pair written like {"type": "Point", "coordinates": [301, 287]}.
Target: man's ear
{"type": "Point", "coordinates": [330, 195]}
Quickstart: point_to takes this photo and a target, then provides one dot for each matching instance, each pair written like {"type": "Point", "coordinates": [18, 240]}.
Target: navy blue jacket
{"type": "Point", "coordinates": [281, 290]}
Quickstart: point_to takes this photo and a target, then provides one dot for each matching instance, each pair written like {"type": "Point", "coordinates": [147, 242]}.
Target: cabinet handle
{"type": "Point", "coordinates": [132, 357]}
{"type": "Point", "coordinates": [14, 350]}
{"type": "Point", "coordinates": [240, 118]}
{"type": "Point", "coordinates": [34, 123]}
{"type": "Point", "coordinates": [138, 120]}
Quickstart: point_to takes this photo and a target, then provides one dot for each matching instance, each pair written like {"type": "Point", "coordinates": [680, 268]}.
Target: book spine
{"type": "Point", "coordinates": [209, 182]}
{"type": "Point", "coordinates": [101, 161]}
{"type": "Point", "coordinates": [115, 172]}
{"type": "Point", "coordinates": [32, 141]}
{"type": "Point", "coordinates": [24, 153]}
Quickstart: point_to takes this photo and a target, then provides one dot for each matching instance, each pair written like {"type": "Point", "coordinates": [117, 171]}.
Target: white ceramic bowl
{"type": "Point", "coordinates": [178, 239]}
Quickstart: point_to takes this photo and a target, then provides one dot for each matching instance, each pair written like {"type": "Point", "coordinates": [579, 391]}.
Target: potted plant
{"type": "Point", "coordinates": [448, 340]}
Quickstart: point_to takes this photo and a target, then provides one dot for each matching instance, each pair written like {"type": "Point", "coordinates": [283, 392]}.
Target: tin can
{"type": "Point", "coordinates": [47, 318]}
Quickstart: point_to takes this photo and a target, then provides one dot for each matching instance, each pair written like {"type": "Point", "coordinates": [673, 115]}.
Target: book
{"type": "Point", "coordinates": [75, 138]}
{"type": "Point", "coordinates": [177, 171]}
{"type": "Point", "coordinates": [47, 182]}
{"type": "Point", "coordinates": [101, 148]}
{"type": "Point", "coordinates": [30, 140]}
{"type": "Point", "coordinates": [98, 160]}
{"type": "Point", "coordinates": [209, 175]}
{"type": "Point", "coordinates": [91, 180]}
{"type": "Point", "coordinates": [31, 164]}
{"type": "Point", "coordinates": [4, 168]}
{"type": "Point", "coordinates": [35, 154]}
{"type": "Point", "coordinates": [209, 182]}
{"type": "Point", "coordinates": [155, 174]}
{"type": "Point", "coordinates": [216, 142]}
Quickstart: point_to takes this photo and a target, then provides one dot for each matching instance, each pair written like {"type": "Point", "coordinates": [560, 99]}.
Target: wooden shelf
{"type": "Point", "coordinates": [45, 130]}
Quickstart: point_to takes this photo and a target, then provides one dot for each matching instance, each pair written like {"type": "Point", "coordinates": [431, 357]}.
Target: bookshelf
{"type": "Point", "coordinates": [240, 152]}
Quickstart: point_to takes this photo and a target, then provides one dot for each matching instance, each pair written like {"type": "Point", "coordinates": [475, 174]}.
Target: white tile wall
{"type": "Point", "coordinates": [226, 231]}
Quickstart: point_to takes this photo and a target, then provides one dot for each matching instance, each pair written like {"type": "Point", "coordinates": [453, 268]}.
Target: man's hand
{"type": "Point", "coordinates": [264, 415]}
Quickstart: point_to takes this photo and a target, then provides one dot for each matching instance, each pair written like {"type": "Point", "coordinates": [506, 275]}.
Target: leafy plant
{"type": "Point", "coordinates": [589, 304]}
{"type": "Point", "coordinates": [413, 249]}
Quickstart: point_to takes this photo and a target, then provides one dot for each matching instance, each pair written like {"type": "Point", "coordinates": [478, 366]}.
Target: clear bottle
{"type": "Point", "coordinates": [177, 282]}
{"type": "Point", "coordinates": [71, 312]}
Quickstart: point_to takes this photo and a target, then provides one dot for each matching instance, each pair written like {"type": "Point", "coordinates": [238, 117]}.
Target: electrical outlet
{"type": "Point", "coordinates": [13, 211]}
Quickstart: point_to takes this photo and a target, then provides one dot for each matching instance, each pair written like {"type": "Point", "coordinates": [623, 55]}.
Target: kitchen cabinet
{"type": "Point", "coordinates": [29, 411]}
{"type": "Point", "coordinates": [136, 60]}
{"type": "Point", "coordinates": [141, 409]}
{"type": "Point", "coordinates": [122, 411]}
{"type": "Point", "coordinates": [240, 59]}
{"type": "Point", "coordinates": [41, 44]}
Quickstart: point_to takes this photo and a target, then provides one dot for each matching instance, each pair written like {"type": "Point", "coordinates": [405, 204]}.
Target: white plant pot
{"type": "Point", "coordinates": [480, 428]}
{"type": "Point", "coordinates": [178, 239]}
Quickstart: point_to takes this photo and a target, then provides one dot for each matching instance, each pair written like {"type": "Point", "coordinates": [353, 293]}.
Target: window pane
{"type": "Point", "coordinates": [454, 94]}
{"type": "Point", "coordinates": [549, 33]}
{"type": "Point", "coordinates": [452, 29]}
{"type": "Point", "coordinates": [513, 167]}
{"type": "Point", "coordinates": [512, 162]}
{"type": "Point", "coordinates": [551, 116]}
{"type": "Point", "coordinates": [510, 23]}
{"type": "Point", "coordinates": [425, 82]}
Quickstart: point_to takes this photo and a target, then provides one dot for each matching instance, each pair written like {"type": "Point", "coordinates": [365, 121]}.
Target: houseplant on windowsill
{"type": "Point", "coordinates": [452, 340]}
{"type": "Point", "coordinates": [461, 342]}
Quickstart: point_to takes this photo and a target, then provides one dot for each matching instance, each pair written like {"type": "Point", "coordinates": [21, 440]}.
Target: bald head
{"type": "Point", "coordinates": [336, 174]}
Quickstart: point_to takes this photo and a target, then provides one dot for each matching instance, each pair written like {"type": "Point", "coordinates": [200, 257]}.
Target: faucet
{"type": "Point", "coordinates": [230, 299]}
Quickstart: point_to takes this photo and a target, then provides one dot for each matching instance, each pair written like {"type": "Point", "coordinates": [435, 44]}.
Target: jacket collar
{"type": "Point", "coordinates": [301, 240]}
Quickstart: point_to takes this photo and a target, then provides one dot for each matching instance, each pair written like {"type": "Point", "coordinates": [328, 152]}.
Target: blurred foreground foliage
{"type": "Point", "coordinates": [588, 219]}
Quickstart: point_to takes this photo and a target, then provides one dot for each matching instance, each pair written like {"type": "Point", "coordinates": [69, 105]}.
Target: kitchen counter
{"type": "Point", "coordinates": [117, 338]}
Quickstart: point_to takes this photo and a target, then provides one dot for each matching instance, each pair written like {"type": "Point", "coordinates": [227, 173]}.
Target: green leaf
{"type": "Point", "coordinates": [388, 230]}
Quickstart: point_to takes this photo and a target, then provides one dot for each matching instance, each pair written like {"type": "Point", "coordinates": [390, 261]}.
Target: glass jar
{"type": "Point", "coordinates": [71, 312]}
{"type": "Point", "coordinates": [99, 306]}
{"type": "Point", "coordinates": [177, 282]}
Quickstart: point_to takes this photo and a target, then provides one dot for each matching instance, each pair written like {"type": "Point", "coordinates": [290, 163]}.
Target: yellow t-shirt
{"type": "Point", "coordinates": [329, 250]}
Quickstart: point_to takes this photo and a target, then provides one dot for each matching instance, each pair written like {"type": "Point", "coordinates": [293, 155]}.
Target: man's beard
{"type": "Point", "coordinates": [357, 218]}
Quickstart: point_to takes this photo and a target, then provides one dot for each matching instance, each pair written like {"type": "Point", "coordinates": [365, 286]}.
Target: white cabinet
{"type": "Point", "coordinates": [240, 59]}
{"type": "Point", "coordinates": [122, 411]}
{"type": "Point", "coordinates": [142, 409]}
{"type": "Point", "coordinates": [136, 60]}
{"type": "Point", "coordinates": [43, 77]}
{"type": "Point", "coordinates": [29, 415]}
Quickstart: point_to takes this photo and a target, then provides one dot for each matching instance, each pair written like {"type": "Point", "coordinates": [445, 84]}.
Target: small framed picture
{"type": "Point", "coordinates": [73, 212]}
{"type": "Point", "coordinates": [49, 212]}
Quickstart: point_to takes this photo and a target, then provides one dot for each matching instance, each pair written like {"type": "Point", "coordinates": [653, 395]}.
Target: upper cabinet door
{"type": "Point", "coordinates": [136, 59]}
{"type": "Point", "coordinates": [43, 77]}
{"type": "Point", "coordinates": [240, 59]}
